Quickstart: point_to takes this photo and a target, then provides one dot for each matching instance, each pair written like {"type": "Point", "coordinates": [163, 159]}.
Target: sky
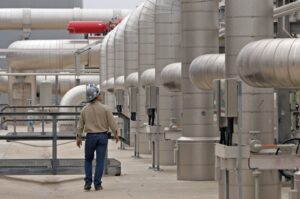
{"type": "Point", "coordinates": [111, 3]}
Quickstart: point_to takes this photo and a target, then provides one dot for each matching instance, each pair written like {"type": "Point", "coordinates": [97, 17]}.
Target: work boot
{"type": "Point", "coordinates": [87, 187]}
{"type": "Point", "coordinates": [98, 188]}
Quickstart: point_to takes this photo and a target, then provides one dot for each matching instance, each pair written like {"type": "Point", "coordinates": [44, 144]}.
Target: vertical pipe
{"type": "Point", "coordinates": [247, 21]}
{"type": "Point", "coordinates": [146, 38]}
{"type": "Point", "coordinates": [167, 51]}
{"type": "Point", "coordinates": [131, 56]}
{"type": "Point", "coordinates": [199, 36]}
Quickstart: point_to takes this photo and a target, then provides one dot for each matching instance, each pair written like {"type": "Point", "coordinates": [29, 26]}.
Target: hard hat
{"type": "Point", "coordinates": [92, 91]}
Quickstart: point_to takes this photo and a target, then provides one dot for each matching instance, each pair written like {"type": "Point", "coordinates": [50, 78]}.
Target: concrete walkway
{"type": "Point", "coordinates": [136, 182]}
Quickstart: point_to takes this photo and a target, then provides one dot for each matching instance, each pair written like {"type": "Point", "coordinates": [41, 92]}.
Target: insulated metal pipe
{"type": "Point", "coordinates": [171, 77]}
{"type": "Point", "coordinates": [287, 9]}
{"type": "Point", "coordinates": [200, 36]}
{"type": "Point", "coordinates": [50, 54]}
{"type": "Point", "coordinates": [131, 65]}
{"type": "Point", "coordinates": [148, 77]}
{"type": "Point", "coordinates": [271, 63]}
{"type": "Point", "coordinates": [247, 21]}
{"type": "Point", "coordinates": [205, 69]}
{"type": "Point", "coordinates": [110, 68]}
{"type": "Point", "coordinates": [26, 18]}
{"type": "Point", "coordinates": [167, 51]}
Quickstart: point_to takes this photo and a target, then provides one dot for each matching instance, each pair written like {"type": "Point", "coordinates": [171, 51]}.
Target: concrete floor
{"type": "Point", "coordinates": [136, 181]}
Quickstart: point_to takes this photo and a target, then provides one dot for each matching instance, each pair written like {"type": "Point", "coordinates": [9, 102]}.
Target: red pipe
{"type": "Point", "coordinates": [86, 27]}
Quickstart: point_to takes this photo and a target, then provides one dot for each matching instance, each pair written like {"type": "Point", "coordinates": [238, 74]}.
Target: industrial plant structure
{"type": "Point", "coordinates": [208, 87]}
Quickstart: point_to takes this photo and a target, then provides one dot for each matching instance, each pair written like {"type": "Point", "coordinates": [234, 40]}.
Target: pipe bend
{"type": "Point", "coordinates": [270, 63]}
{"type": "Point", "coordinates": [206, 68]}
{"type": "Point", "coordinates": [132, 80]}
{"type": "Point", "coordinates": [148, 77]}
{"type": "Point", "coordinates": [171, 77]}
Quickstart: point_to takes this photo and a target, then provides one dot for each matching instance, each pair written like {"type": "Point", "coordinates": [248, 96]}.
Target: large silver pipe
{"type": "Point", "coordinates": [26, 18]}
{"type": "Point", "coordinates": [247, 21]}
{"type": "Point", "coordinates": [131, 65]}
{"type": "Point", "coordinates": [171, 77]}
{"type": "Point", "coordinates": [103, 65]}
{"type": "Point", "coordinates": [287, 9]}
{"type": "Point", "coordinates": [132, 80]}
{"type": "Point", "coordinates": [148, 77]}
{"type": "Point", "coordinates": [167, 51]}
{"type": "Point", "coordinates": [206, 68]}
{"type": "Point", "coordinates": [196, 147]}
{"type": "Point", "coordinates": [271, 63]}
{"type": "Point", "coordinates": [110, 68]}
{"type": "Point", "coordinates": [50, 54]}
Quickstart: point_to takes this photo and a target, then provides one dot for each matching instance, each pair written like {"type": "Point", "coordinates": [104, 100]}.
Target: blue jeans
{"type": "Point", "coordinates": [95, 142]}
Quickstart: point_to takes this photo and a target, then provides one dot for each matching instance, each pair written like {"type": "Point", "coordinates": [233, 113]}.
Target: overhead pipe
{"type": "Point", "coordinates": [271, 63]}
{"type": "Point", "coordinates": [200, 35]}
{"type": "Point", "coordinates": [26, 18]}
{"type": "Point", "coordinates": [50, 54]}
{"type": "Point", "coordinates": [171, 77]}
{"type": "Point", "coordinates": [247, 21]}
{"type": "Point", "coordinates": [206, 68]}
{"type": "Point", "coordinates": [287, 9]}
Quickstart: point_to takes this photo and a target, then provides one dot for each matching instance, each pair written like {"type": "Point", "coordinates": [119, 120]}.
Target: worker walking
{"type": "Point", "coordinates": [95, 120]}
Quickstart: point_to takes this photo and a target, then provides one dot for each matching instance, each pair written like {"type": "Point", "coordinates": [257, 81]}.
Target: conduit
{"type": "Point", "coordinates": [205, 69]}
{"type": "Point", "coordinates": [200, 36]}
{"type": "Point", "coordinates": [148, 77]}
{"type": "Point", "coordinates": [171, 77]}
{"type": "Point", "coordinates": [50, 54]}
{"type": "Point", "coordinates": [247, 21]}
{"type": "Point", "coordinates": [271, 63]}
{"type": "Point", "coordinates": [26, 18]}
{"type": "Point", "coordinates": [287, 9]}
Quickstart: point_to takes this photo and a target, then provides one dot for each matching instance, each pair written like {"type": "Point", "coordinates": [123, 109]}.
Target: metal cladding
{"type": "Point", "coordinates": [171, 77]}
{"type": "Point", "coordinates": [3, 84]}
{"type": "Point", "coordinates": [206, 68]}
{"type": "Point", "coordinates": [110, 85]}
{"type": "Point", "coordinates": [50, 54]}
{"type": "Point", "coordinates": [200, 36]}
{"type": "Point", "coordinates": [271, 63]}
{"type": "Point", "coordinates": [27, 18]}
{"type": "Point", "coordinates": [120, 83]}
{"type": "Point", "coordinates": [119, 69]}
{"type": "Point", "coordinates": [132, 42]}
{"type": "Point", "coordinates": [247, 21]}
{"type": "Point", "coordinates": [73, 97]}
{"type": "Point", "coordinates": [148, 77]}
{"type": "Point", "coordinates": [132, 80]}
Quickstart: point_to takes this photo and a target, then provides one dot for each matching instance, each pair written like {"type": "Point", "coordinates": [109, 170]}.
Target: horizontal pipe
{"type": "Point", "coordinates": [50, 54]}
{"type": "Point", "coordinates": [205, 69]}
{"type": "Point", "coordinates": [26, 18]}
{"type": "Point", "coordinates": [171, 77]}
{"type": "Point", "coordinates": [148, 77]}
{"type": "Point", "coordinates": [271, 63]}
{"type": "Point", "coordinates": [287, 9]}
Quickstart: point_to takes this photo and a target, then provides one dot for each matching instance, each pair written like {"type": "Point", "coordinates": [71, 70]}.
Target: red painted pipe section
{"type": "Point", "coordinates": [86, 27]}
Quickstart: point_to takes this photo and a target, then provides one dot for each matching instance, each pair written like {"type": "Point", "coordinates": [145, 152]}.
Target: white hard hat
{"type": "Point", "coordinates": [92, 91]}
